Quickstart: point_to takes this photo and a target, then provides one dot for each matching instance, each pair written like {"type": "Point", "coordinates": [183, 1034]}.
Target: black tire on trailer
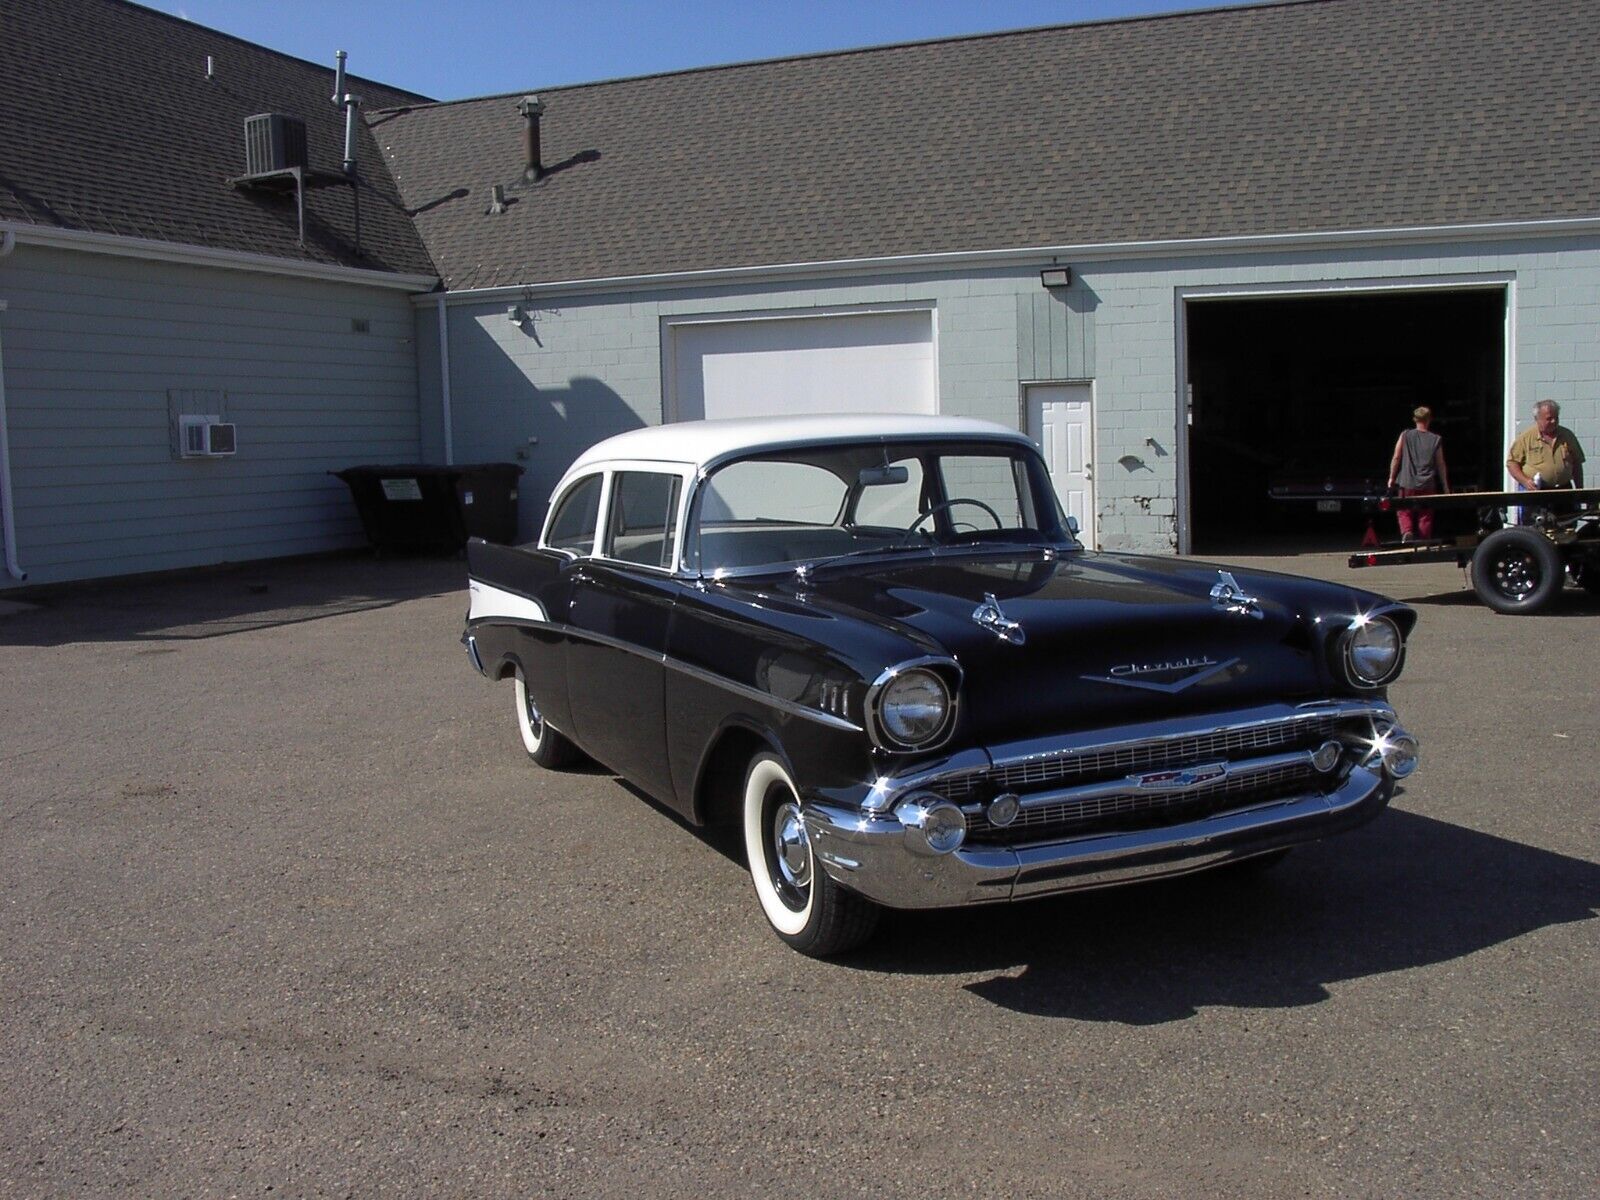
{"type": "Point", "coordinates": [1517, 571]}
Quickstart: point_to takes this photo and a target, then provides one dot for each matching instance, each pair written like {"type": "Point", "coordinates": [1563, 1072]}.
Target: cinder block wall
{"type": "Point", "coordinates": [581, 368]}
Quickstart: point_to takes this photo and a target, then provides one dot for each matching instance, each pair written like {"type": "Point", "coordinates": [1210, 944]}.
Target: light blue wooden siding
{"type": "Point", "coordinates": [95, 345]}
{"type": "Point", "coordinates": [1055, 333]}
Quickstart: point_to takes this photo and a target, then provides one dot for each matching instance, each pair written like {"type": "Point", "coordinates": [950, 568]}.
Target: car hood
{"type": "Point", "coordinates": [1105, 638]}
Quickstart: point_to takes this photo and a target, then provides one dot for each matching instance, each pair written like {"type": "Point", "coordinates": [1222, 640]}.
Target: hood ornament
{"type": "Point", "coordinates": [989, 615]}
{"type": "Point", "coordinates": [1227, 595]}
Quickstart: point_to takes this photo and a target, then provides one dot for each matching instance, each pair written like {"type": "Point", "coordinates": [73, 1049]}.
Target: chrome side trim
{"type": "Point", "coordinates": [758, 696]}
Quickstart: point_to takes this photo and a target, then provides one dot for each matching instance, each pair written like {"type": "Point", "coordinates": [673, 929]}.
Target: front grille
{"type": "Point", "coordinates": [1085, 766]}
{"type": "Point", "coordinates": [1134, 811]}
{"type": "Point", "coordinates": [1133, 808]}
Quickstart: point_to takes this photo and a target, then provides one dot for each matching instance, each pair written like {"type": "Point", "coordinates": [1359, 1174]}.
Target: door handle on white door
{"type": "Point", "coordinates": [1088, 470]}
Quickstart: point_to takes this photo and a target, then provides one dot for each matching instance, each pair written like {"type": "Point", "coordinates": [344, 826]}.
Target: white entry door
{"type": "Point", "coordinates": [1060, 418]}
{"type": "Point", "coordinates": [779, 366]}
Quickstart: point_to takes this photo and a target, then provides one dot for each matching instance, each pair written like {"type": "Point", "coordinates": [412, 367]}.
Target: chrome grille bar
{"type": "Point", "coordinates": [1152, 754]}
{"type": "Point", "coordinates": [1064, 812]}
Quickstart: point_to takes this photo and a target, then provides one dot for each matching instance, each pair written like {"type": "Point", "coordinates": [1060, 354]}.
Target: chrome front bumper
{"type": "Point", "coordinates": [867, 849]}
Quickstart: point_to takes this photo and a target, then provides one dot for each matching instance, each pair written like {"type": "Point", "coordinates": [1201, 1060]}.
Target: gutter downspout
{"type": "Point", "coordinates": [444, 383]}
{"type": "Point", "coordinates": [8, 530]}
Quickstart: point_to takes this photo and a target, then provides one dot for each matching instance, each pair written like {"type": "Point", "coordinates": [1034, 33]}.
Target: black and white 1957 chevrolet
{"type": "Point", "coordinates": [875, 642]}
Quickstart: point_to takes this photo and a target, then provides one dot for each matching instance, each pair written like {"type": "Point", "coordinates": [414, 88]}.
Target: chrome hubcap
{"type": "Point", "coordinates": [531, 711]}
{"type": "Point", "coordinates": [793, 850]}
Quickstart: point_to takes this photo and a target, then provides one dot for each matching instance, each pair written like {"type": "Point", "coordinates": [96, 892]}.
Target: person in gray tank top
{"type": "Point", "coordinates": [1418, 469]}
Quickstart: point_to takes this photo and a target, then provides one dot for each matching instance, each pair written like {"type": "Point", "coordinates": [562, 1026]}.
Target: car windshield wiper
{"type": "Point", "coordinates": [885, 551]}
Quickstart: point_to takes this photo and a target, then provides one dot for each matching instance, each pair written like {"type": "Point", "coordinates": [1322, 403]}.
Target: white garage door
{"type": "Point", "coordinates": [861, 362]}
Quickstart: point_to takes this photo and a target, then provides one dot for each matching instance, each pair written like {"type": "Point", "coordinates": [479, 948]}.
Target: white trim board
{"type": "Point", "coordinates": [207, 256]}
{"type": "Point", "coordinates": [1036, 257]}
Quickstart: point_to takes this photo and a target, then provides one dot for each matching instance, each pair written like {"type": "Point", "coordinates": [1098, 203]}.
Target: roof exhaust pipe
{"type": "Point", "coordinates": [338, 77]}
{"type": "Point", "coordinates": [351, 103]}
{"type": "Point", "coordinates": [531, 108]}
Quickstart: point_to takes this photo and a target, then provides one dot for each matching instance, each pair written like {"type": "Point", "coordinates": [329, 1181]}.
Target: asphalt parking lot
{"type": "Point", "coordinates": [284, 909]}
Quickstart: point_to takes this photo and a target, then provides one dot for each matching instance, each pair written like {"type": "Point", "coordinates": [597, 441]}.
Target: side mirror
{"type": "Point", "coordinates": [1072, 526]}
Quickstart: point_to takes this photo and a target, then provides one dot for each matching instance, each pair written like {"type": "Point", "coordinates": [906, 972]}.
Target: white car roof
{"type": "Point", "coordinates": [699, 443]}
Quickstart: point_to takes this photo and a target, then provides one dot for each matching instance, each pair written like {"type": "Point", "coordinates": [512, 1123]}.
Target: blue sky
{"type": "Point", "coordinates": [449, 50]}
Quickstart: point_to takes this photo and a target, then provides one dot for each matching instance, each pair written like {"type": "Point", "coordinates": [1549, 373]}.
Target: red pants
{"type": "Point", "coordinates": [1415, 522]}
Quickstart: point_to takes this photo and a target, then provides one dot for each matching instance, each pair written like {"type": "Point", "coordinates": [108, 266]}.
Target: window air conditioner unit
{"type": "Point", "coordinates": [206, 437]}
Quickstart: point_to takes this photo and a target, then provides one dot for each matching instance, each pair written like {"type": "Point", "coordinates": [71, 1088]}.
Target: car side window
{"type": "Point", "coordinates": [573, 519]}
{"type": "Point", "coordinates": [644, 518]}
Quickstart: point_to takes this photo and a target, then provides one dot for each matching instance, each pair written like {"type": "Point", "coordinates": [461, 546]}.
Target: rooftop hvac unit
{"type": "Point", "coordinates": [206, 437]}
{"type": "Point", "coordinates": [273, 142]}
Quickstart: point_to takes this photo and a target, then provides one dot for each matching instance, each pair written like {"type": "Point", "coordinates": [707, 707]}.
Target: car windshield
{"type": "Point", "coordinates": [811, 504]}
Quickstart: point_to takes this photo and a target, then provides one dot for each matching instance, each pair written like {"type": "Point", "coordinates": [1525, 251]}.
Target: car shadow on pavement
{"type": "Point", "coordinates": [1403, 892]}
{"type": "Point", "coordinates": [1572, 602]}
{"type": "Point", "coordinates": [215, 602]}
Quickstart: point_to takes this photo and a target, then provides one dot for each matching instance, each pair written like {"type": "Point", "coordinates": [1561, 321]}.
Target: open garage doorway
{"type": "Point", "coordinates": [1296, 402]}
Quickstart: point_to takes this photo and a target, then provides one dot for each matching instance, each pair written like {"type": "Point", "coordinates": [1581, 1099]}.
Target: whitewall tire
{"type": "Point", "coordinates": [544, 744]}
{"type": "Point", "coordinates": [805, 908]}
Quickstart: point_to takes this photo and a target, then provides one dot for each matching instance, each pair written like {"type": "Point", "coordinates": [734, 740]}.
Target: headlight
{"type": "Point", "coordinates": [912, 708]}
{"type": "Point", "coordinates": [1372, 651]}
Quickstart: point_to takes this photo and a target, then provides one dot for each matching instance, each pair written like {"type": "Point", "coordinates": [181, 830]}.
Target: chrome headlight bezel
{"type": "Point", "coordinates": [1356, 648]}
{"type": "Point", "coordinates": [944, 674]}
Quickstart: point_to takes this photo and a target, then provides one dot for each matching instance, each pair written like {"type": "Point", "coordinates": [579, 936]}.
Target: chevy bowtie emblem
{"type": "Point", "coordinates": [989, 615]}
{"type": "Point", "coordinates": [1179, 780]}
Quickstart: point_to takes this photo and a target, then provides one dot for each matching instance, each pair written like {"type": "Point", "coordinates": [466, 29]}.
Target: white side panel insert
{"type": "Point", "coordinates": [489, 601]}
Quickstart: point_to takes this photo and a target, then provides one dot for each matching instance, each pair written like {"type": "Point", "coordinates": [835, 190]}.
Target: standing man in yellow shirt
{"type": "Point", "coordinates": [1546, 455]}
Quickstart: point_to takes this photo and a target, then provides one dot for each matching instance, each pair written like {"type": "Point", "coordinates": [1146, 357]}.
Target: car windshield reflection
{"type": "Point", "coordinates": [822, 505]}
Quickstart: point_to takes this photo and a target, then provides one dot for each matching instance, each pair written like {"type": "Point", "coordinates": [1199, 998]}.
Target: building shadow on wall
{"type": "Point", "coordinates": [1404, 892]}
{"type": "Point", "coordinates": [502, 415]}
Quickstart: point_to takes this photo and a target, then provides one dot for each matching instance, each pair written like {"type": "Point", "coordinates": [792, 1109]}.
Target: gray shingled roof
{"type": "Point", "coordinates": [1325, 115]}
{"type": "Point", "coordinates": [108, 124]}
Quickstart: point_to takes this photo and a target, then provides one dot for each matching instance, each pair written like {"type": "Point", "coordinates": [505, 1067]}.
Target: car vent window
{"type": "Point", "coordinates": [572, 523]}
{"type": "Point", "coordinates": [644, 518]}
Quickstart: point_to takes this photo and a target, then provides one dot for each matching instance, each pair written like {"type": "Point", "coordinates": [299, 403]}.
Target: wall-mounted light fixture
{"type": "Point", "coordinates": [1054, 277]}
{"type": "Point", "coordinates": [514, 314]}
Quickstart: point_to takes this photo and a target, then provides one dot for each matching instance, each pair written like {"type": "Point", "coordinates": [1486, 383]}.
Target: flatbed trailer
{"type": "Point", "coordinates": [1515, 568]}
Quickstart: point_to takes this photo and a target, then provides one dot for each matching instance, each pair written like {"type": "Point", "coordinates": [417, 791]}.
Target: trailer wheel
{"type": "Point", "coordinates": [1516, 571]}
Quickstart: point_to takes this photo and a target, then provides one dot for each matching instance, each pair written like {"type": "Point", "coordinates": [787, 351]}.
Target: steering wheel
{"type": "Point", "coordinates": [939, 508]}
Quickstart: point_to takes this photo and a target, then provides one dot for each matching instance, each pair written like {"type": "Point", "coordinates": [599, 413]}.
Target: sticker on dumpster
{"type": "Point", "coordinates": [466, 497]}
{"type": "Point", "coordinates": [401, 489]}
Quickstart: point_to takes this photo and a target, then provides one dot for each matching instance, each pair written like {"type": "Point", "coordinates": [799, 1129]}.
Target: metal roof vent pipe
{"type": "Point", "coordinates": [531, 109]}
